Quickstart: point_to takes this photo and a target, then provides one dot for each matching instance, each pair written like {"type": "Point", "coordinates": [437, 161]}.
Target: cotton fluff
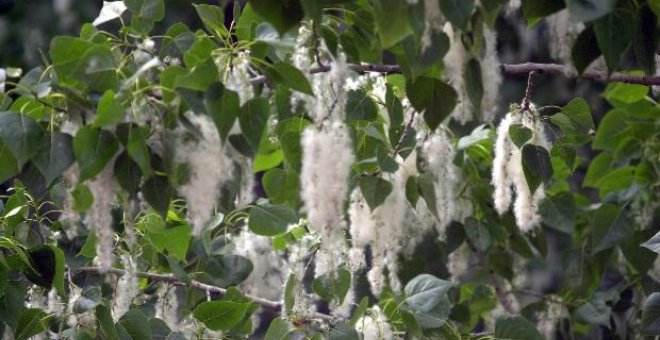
{"type": "Point", "coordinates": [238, 77]}
{"type": "Point", "coordinates": [433, 21]}
{"type": "Point", "coordinates": [382, 229]}
{"type": "Point", "coordinates": [127, 288]}
{"type": "Point", "coordinates": [99, 216]}
{"type": "Point", "coordinates": [440, 154]}
{"type": "Point", "coordinates": [208, 169]}
{"type": "Point", "coordinates": [562, 33]}
{"type": "Point", "coordinates": [326, 163]}
{"type": "Point", "coordinates": [299, 256]}
{"type": "Point", "coordinates": [454, 62]}
{"type": "Point", "coordinates": [329, 87]}
{"type": "Point", "coordinates": [269, 272]}
{"type": "Point", "coordinates": [508, 170]}
{"type": "Point", "coordinates": [491, 75]}
{"type": "Point", "coordinates": [167, 305]}
{"type": "Point", "coordinates": [374, 326]}
{"type": "Point", "coordinates": [458, 262]}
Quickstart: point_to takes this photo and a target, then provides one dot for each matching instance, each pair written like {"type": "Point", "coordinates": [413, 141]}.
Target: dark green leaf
{"type": "Point", "coordinates": [153, 10]}
{"type": "Point", "coordinates": [105, 325]}
{"type": "Point", "coordinates": [575, 118]}
{"type": "Point", "coordinates": [223, 106]}
{"type": "Point", "coordinates": [270, 220]}
{"type": "Point", "coordinates": [289, 76]}
{"type": "Point", "coordinates": [343, 331]}
{"type": "Point", "coordinates": [93, 148]}
{"type": "Point", "coordinates": [625, 93]}
{"type": "Point", "coordinates": [31, 321]}
{"type": "Point", "coordinates": [651, 315]}
{"type": "Point", "coordinates": [585, 49]}
{"type": "Point", "coordinates": [610, 227]}
{"type": "Point", "coordinates": [281, 186]}
{"type": "Point", "coordinates": [8, 165]}
{"type": "Point", "coordinates": [89, 299]}
{"type": "Point", "coordinates": [535, 10]}
{"type": "Point", "coordinates": [478, 234]}
{"type": "Point", "coordinates": [109, 110]}
{"type": "Point", "coordinates": [392, 21]}
{"type": "Point", "coordinates": [136, 324]}
{"type": "Point", "coordinates": [375, 190]}
{"type": "Point", "coordinates": [220, 315]}
{"type": "Point", "coordinates": [434, 97]}
{"type": "Point", "coordinates": [619, 179]}
{"type": "Point", "coordinates": [558, 211]}
{"type": "Point", "coordinates": [536, 165]}
{"type": "Point", "coordinates": [333, 286]}
{"type": "Point", "coordinates": [158, 193]}
{"type": "Point", "coordinates": [213, 18]}
{"type": "Point", "coordinates": [127, 173]}
{"type": "Point", "coordinates": [614, 33]}
{"type": "Point", "coordinates": [426, 298]}
{"type": "Point", "coordinates": [21, 134]}
{"type": "Point", "coordinates": [474, 83]}
{"type": "Point", "coordinates": [612, 130]}
{"type": "Point", "coordinates": [278, 330]}
{"type": "Point", "coordinates": [599, 167]}
{"type": "Point", "coordinates": [253, 117]}
{"type": "Point", "coordinates": [516, 327]}
{"type": "Point", "coordinates": [458, 12]}
{"type": "Point", "coordinates": [55, 157]}
{"type": "Point", "coordinates": [282, 14]}
{"type": "Point", "coordinates": [360, 107]}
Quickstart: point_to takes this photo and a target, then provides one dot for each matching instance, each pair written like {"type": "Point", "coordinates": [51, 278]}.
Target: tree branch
{"type": "Point", "coordinates": [512, 69]}
{"type": "Point", "coordinates": [171, 279]}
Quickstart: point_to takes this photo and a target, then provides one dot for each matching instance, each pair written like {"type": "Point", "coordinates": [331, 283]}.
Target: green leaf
{"type": "Point", "coordinates": [333, 286]}
{"type": "Point", "coordinates": [21, 134]}
{"type": "Point", "coordinates": [434, 97]}
{"type": "Point", "coordinates": [375, 190]}
{"type": "Point", "coordinates": [270, 220]}
{"type": "Point", "coordinates": [137, 147]}
{"type": "Point", "coordinates": [392, 21]}
{"type": "Point", "coordinates": [174, 240]}
{"type": "Point", "coordinates": [588, 10]}
{"type": "Point", "coordinates": [253, 118]}
{"type": "Point", "coordinates": [612, 130]}
{"type": "Point", "coordinates": [136, 324]}
{"type": "Point", "coordinates": [653, 243]}
{"type": "Point", "coordinates": [536, 166]}
{"type": "Point", "coordinates": [559, 211]}
{"type": "Point", "coordinates": [47, 267]}
{"type": "Point", "coordinates": [519, 134]}
{"type": "Point", "coordinates": [595, 312]}
{"type": "Point", "coordinates": [220, 315]}
{"type": "Point", "coordinates": [31, 321]}
{"type": "Point", "coordinates": [222, 105]}
{"type": "Point", "coordinates": [610, 227]}
{"type": "Point", "coordinates": [536, 10]}
{"type": "Point", "coordinates": [93, 148]}
{"type": "Point", "coordinates": [281, 186]}
{"type": "Point", "coordinates": [614, 33]}
{"type": "Point", "coordinates": [109, 110]}
{"type": "Point", "coordinates": [127, 173]}
{"type": "Point", "coordinates": [343, 331]}
{"type": "Point", "coordinates": [619, 179]}
{"type": "Point", "coordinates": [8, 165]}
{"type": "Point", "coordinates": [278, 330]}
{"type": "Point", "coordinates": [599, 167]}
{"type": "Point", "coordinates": [153, 10]}
{"type": "Point", "coordinates": [360, 107]}
{"type": "Point", "coordinates": [426, 298]}
{"type": "Point", "coordinates": [289, 76]}
{"type": "Point", "coordinates": [625, 93]}
{"type": "Point", "coordinates": [474, 83]}
{"type": "Point", "coordinates": [515, 327]}
{"type": "Point", "coordinates": [575, 118]}
{"type": "Point", "coordinates": [282, 14]}
{"type": "Point", "coordinates": [105, 326]}
{"type": "Point", "coordinates": [158, 193]}
{"type": "Point", "coordinates": [651, 315]}
{"type": "Point", "coordinates": [585, 49]}
{"type": "Point", "coordinates": [213, 18]}
{"type": "Point", "coordinates": [458, 12]}
{"type": "Point", "coordinates": [55, 157]}
{"type": "Point", "coordinates": [89, 299]}
{"type": "Point", "coordinates": [478, 234]}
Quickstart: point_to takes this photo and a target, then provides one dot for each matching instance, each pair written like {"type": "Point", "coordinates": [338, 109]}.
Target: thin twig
{"type": "Point", "coordinates": [513, 69]}
{"type": "Point", "coordinates": [404, 135]}
{"type": "Point", "coordinates": [171, 279]}
{"type": "Point", "coordinates": [528, 91]}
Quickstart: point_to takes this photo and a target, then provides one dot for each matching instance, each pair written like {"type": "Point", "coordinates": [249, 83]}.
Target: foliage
{"type": "Point", "coordinates": [132, 157]}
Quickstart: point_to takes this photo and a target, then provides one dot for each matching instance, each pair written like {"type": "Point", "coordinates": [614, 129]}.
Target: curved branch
{"type": "Point", "coordinates": [512, 69]}
{"type": "Point", "coordinates": [171, 279]}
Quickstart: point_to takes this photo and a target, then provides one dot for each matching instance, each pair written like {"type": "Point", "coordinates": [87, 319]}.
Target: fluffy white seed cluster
{"type": "Point", "coordinates": [208, 169]}
{"type": "Point", "coordinates": [562, 32]}
{"type": "Point", "coordinates": [547, 319]}
{"type": "Point", "coordinates": [374, 325]}
{"type": "Point", "coordinates": [99, 217]}
{"type": "Point", "coordinates": [508, 171]}
{"type": "Point", "coordinates": [491, 75]}
{"type": "Point", "coordinates": [127, 287]}
{"type": "Point", "coordinates": [299, 255]}
{"type": "Point", "coordinates": [326, 162]}
{"type": "Point", "coordinates": [238, 77]}
{"type": "Point", "coordinates": [382, 229]}
{"type": "Point", "coordinates": [167, 305]}
{"type": "Point", "coordinates": [440, 154]}
{"type": "Point", "coordinates": [433, 21]}
{"type": "Point", "coordinates": [454, 62]}
{"type": "Point", "coordinates": [269, 272]}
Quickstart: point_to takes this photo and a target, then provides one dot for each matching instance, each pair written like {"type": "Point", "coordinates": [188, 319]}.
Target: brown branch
{"type": "Point", "coordinates": [171, 279]}
{"type": "Point", "coordinates": [512, 69]}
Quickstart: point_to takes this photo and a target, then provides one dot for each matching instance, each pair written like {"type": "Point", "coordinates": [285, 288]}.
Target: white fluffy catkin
{"type": "Point", "coordinates": [127, 288]}
{"type": "Point", "coordinates": [208, 169]}
{"type": "Point", "coordinates": [433, 21]}
{"type": "Point", "coordinates": [440, 154]}
{"type": "Point", "coordinates": [562, 33]}
{"type": "Point", "coordinates": [454, 62]}
{"type": "Point", "coordinates": [238, 77]}
{"type": "Point", "coordinates": [374, 326]}
{"type": "Point", "coordinates": [167, 305]}
{"type": "Point", "coordinates": [508, 170]}
{"type": "Point", "coordinates": [491, 75]}
{"type": "Point", "coordinates": [99, 216]}
{"type": "Point", "coordinates": [326, 163]}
